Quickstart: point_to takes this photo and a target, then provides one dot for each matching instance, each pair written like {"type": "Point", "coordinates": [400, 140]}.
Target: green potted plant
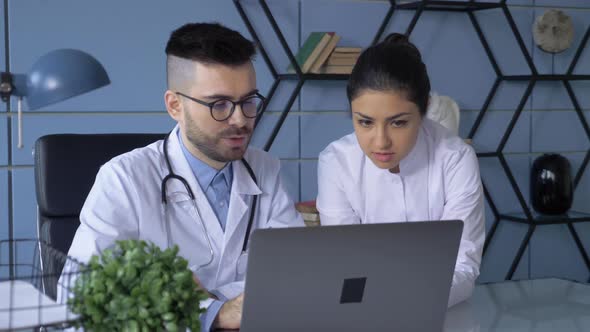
{"type": "Point", "coordinates": [136, 286]}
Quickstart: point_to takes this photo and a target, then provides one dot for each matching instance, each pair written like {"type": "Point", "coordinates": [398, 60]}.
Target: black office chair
{"type": "Point", "coordinates": [65, 169]}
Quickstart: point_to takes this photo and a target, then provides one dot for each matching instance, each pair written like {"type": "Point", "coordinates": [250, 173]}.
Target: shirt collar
{"type": "Point", "coordinates": [417, 159]}
{"type": "Point", "coordinates": [203, 172]}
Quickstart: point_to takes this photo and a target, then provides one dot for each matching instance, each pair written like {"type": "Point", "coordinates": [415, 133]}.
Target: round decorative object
{"type": "Point", "coordinates": [553, 31]}
{"type": "Point", "coordinates": [551, 184]}
{"type": "Point", "coordinates": [445, 111]}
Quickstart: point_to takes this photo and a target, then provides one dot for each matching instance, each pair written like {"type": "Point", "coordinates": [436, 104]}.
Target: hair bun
{"type": "Point", "coordinates": [396, 38]}
{"type": "Point", "coordinates": [401, 41]}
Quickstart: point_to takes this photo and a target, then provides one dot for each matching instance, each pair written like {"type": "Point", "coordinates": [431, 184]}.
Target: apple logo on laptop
{"type": "Point", "coordinates": [353, 290]}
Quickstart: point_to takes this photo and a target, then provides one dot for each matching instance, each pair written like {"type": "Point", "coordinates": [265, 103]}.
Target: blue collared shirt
{"type": "Point", "coordinates": [216, 184]}
{"type": "Point", "coordinates": [217, 187]}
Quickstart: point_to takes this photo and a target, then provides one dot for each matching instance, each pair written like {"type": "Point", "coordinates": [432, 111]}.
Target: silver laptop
{"type": "Point", "coordinates": [377, 277]}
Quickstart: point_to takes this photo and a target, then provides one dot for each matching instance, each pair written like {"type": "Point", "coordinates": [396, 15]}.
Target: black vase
{"type": "Point", "coordinates": [551, 184]}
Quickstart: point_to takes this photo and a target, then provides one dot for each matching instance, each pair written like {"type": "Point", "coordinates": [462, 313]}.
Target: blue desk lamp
{"type": "Point", "coordinates": [56, 76]}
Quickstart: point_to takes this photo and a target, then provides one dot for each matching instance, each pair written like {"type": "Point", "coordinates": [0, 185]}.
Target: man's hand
{"type": "Point", "coordinates": [230, 314]}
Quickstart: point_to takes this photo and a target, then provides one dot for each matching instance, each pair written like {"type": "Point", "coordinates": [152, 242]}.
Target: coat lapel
{"type": "Point", "coordinates": [385, 201]}
{"type": "Point", "coordinates": [415, 172]}
{"type": "Point", "coordinates": [177, 193]}
{"type": "Point", "coordinates": [242, 193]}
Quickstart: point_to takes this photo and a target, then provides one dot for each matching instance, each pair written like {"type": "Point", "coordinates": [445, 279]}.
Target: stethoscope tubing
{"type": "Point", "coordinates": [171, 175]}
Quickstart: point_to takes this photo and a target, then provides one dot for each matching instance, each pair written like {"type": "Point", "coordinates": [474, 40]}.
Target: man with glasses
{"type": "Point", "coordinates": [202, 188]}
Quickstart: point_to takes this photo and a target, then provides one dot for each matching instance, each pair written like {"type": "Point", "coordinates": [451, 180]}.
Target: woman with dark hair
{"type": "Point", "coordinates": [399, 166]}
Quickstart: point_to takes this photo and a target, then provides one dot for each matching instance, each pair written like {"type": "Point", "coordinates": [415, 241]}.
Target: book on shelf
{"type": "Point", "coordinates": [344, 56]}
{"type": "Point", "coordinates": [337, 55]}
{"type": "Point", "coordinates": [336, 61]}
{"type": "Point", "coordinates": [315, 68]}
{"type": "Point", "coordinates": [310, 50]}
{"type": "Point", "coordinates": [343, 49]}
{"type": "Point", "coordinates": [334, 69]}
{"type": "Point", "coordinates": [309, 212]}
{"type": "Point", "coordinates": [310, 217]}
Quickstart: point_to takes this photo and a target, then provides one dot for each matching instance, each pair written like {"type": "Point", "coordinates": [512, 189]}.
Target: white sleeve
{"type": "Point", "coordinates": [108, 215]}
{"type": "Point", "coordinates": [332, 202]}
{"type": "Point", "coordinates": [464, 201]}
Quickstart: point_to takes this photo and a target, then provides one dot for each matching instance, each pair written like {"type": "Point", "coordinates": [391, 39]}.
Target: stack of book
{"type": "Point", "coordinates": [341, 61]}
{"type": "Point", "coordinates": [308, 211]}
{"type": "Point", "coordinates": [319, 55]}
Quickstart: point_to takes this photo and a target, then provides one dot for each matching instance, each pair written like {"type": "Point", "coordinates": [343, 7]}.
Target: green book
{"type": "Point", "coordinates": [312, 47]}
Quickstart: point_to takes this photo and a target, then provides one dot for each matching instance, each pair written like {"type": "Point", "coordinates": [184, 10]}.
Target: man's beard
{"type": "Point", "coordinates": [212, 147]}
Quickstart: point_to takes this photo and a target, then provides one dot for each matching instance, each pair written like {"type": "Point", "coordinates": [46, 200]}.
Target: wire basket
{"type": "Point", "coordinates": [30, 281]}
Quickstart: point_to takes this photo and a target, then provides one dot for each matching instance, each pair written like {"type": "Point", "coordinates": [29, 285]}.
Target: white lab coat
{"type": "Point", "coordinates": [438, 180]}
{"type": "Point", "coordinates": [125, 203]}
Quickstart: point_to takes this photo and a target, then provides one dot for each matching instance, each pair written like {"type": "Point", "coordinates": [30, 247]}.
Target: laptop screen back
{"type": "Point", "coordinates": [393, 276]}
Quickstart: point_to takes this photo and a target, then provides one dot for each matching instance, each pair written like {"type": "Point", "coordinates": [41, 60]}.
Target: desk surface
{"type": "Point", "coordinates": [23, 306]}
{"type": "Point", "coordinates": [541, 305]}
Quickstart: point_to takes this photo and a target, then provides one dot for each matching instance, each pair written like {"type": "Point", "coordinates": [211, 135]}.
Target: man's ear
{"type": "Point", "coordinates": [173, 105]}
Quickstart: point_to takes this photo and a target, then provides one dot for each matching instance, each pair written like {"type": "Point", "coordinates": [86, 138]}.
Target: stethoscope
{"type": "Point", "coordinates": [171, 175]}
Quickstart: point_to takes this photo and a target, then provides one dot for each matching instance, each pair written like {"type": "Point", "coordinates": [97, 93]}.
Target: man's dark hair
{"type": "Point", "coordinates": [210, 43]}
{"type": "Point", "coordinates": [394, 64]}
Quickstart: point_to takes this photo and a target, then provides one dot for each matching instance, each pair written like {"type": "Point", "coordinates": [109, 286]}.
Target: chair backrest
{"type": "Point", "coordinates": [65, 169]}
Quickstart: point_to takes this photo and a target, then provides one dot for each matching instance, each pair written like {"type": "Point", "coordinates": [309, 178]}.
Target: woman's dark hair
{"type": "Point", "coordinates": [394, 64]}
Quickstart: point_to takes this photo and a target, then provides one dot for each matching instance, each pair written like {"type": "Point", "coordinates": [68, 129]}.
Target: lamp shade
{"type": "Point", "coordinates": [62, 74]}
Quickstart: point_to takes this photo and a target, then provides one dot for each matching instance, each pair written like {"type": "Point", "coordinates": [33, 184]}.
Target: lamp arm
{"type": "Point", "coordinates": [19, 113]}
{"type": "Point", "coordinates": [14, 85]}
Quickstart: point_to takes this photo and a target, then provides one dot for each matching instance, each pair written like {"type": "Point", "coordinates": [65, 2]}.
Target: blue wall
{"type": "Point", "coordinates": [128, 38]}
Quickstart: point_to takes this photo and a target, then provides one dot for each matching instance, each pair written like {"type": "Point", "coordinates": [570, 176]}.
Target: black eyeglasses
{"type": "Point", "coordinates": [222, 109]}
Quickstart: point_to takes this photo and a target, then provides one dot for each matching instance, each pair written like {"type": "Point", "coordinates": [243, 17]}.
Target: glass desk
{"type": "Point", "coordinates": [540, 305]}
